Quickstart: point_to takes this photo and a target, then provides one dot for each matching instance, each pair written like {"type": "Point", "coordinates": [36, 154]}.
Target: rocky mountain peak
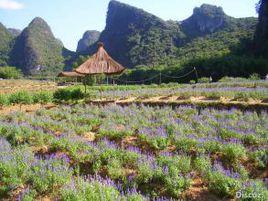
{"type": "Point", "coordinates": [123, 15]}
{"type": "Point", "coordinates": [209, 11]}
{"type": "Point", "coordinates": [89, 38]}
{"type": "Point", "coordinates": [38, 21]}
{"type": "Point", "coordinates": [205, 20]}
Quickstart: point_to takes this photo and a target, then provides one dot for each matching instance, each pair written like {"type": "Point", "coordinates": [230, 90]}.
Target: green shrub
{"type": "Point", "coordinates": [68, 94]}
{"type": "Point", "coordinates": [256, 191]}
{"type": "Point", "coordinates": [250, 139]}
{"type": "Point", "coordinates": [227, 134]}
{"type": "Point", "coordinates": [8, 72]}
{"type": "Point", "coordinates": [14, 167]}
{"type": "Point", "coordinates": [242, 171]}
{"type": "Point", "coordinates": [77, 94]}
{"type": "Point", "coordinates": [3, 100]}
{"type": "Point", "coordinates": [82, 190]}
{"type": "Point", "coordinates": [42, 97]}
{"type": "Point", "coordinates": [175, 185]}
{"type": "Point", "coordinates": [28, 195]}
{"type": "Point", "coordinates": [192, 82]}
{"type": "Point", "coordinates": [145, 173]}
{"type": "Point", "coordinates": [62, 94]}
{"type": "Point", "coordinates": [202, 164]}
{"type": "Point", "coordinates": [212, 146]}
{"type": "Point", "coordinates": [48, 174]}
{"type": "Point", "coordinates": [260, 157]}
{"type": "Point", "coordinates": [186, 144]}
{"type": "Point", "coordinates": [158, 142]}
{"type": "Point", "coordinates": [233, 79]}
{"type": "Point", "coordinates": [184, 164]}
{"type": "Point", "coordinates": [21, 97]}
{"type": "Point", "coordinates": [204, 80]}
{"type": "Point", "coordinates": [254, 76]}
{"type": "Point", "coordinates": [223, 185]}
{"type": "Point", "coordinates": [114, 168]}
{"type": "Point", "coordinates": [233, 152]}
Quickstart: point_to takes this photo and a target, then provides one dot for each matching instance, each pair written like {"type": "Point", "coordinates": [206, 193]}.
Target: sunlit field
{"type": "Point", "coordinates": [162, 102]}
{"type": "Point", "coordinates": [80, 150]}
{"type": "Point", "coordinates": [11, 86]}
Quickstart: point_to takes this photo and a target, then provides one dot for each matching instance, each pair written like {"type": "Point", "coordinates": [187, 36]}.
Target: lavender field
{"type": "Point", "coordinates": [85, 152]}
{"type": "Point", "coordinates": [238, 91]}
{"type": "Point", "coordinates": [119, 100]}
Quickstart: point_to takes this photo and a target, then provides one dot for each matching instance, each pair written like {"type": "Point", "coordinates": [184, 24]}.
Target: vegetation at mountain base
{"type": "Point", "coordinates": [211, 57]}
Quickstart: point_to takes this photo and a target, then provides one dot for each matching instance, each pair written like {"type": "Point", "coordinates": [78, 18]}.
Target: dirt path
{"type": "Point", "coordinates": [24, 108]}
{"type": "Point", "coordinates": [201, 102]}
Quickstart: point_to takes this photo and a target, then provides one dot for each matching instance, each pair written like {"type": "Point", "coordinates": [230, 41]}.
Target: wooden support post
{"type": "Point", "coordinates": [85, 84]}
{"type": "Point", "coordinates": [196, 74]}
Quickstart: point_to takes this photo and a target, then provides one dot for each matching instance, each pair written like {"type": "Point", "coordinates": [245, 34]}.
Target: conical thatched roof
{"type": "Point", "coordinates": [100, 63]}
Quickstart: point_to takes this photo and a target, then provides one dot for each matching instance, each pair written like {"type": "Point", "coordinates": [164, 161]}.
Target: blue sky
{"type": "Point", "coordinates": [69, 19]}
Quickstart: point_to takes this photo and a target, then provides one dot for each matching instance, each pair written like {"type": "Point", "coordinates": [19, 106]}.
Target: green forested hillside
{"type": "Point", "coordinates": [223, 53]}
{"type": "Point", "coordinates": [36, 50]}
{"type": "Point", "coordinates": [215, 43]}
{"type": "Point", "coordinates": [6, 43]}
{"type": "Point", "coordinates": [261, 36]}
{"type": "Point", "coordinates": [133, 36]}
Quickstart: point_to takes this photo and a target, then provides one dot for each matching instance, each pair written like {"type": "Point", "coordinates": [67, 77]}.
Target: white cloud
{"type": "Point", "coordinates": [11, 5]}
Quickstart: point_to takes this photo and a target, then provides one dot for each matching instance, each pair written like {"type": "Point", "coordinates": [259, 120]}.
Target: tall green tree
{"type": "Point", "coordinates": [261, 35]}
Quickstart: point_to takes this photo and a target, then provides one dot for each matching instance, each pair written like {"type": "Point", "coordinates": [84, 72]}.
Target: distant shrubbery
{"type": "Point", "coordinates": [204, 80]}
{"type": "Point", "coordinates": [232, 79]}
{"type": "Point", "coordinates": [24, 97]}
{"type": "Point", "coordinates": [43, 97]}
{"type": "Point", "coordinates": [8, 72]}
{"type": "Point", "coordinates": [3, 100]}
{"type": "Point", "coordinates": [21, 97]}
{"type": "Point", "coordinates": [252, 77]}
{"type": "Point", "coordinates": [68, 94]}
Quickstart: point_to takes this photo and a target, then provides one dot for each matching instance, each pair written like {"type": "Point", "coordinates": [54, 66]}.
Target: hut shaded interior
{"type": "Point", "coordinates": [70, 74]}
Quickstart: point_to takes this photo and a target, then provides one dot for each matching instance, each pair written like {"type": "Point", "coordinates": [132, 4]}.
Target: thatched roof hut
{"type": "Point", "coordinates": [100, 63]}
{"type": "Point", "coordinates": [70, 74]}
